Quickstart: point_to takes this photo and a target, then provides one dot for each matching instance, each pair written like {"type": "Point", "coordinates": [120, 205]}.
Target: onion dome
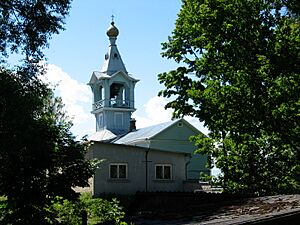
{"type": "Point", "coordinates": [112, 31]}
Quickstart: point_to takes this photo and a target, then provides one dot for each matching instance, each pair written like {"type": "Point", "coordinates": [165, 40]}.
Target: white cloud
{"type": "Point", "coordinates": [154, 112]}
{"type": "Point", "coordinates": [76, 96]}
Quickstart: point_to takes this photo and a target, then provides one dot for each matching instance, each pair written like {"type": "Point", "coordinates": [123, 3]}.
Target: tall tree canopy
{"type": "Point", "coordinates": [40, 158]}
{"type": "Point", "coordinates": [239, 73]}
{"type": "Point", "coordinates": [27, 25]}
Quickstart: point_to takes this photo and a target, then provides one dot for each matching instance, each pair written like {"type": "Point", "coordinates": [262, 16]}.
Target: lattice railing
{"type": "Point", "coordinates": [114, 103]}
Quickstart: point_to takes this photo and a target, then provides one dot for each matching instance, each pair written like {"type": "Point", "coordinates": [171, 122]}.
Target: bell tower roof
{"type": "Point", "coordinates": [112, 59]}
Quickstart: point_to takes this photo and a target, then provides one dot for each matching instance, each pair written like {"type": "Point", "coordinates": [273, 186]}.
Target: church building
{"type": "Point", "coordinates": [155, 158]}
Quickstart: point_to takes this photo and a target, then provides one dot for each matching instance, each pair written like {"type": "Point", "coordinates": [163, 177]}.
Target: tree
{"type": "Point", "coordinates": [240, 75]}
{"type": "Point", "coordinates": [40, 158]}
{"type": "Point", "coordinates": [26, 26]}
{"type": "Point", "coordinates": [293, 6]}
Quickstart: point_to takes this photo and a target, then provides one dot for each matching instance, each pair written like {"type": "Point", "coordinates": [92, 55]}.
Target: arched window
{"type": "Point", "coordinates": [101, 93]}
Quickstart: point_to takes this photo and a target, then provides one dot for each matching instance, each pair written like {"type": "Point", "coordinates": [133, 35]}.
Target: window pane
{"type": "Point", "coordinates": [122, 171]}
{"type": "Point", "coordinates": [113, 171]}
{"type": "Point", "coordinates": [159, 172]}
{"type": "Point", "coordinates": [167, 172]}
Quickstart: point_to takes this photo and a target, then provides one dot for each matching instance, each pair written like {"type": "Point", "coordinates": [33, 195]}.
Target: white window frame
{"type": "Point", "coordinates": [163, 165]}
{"type": "Point", "coordinates": [118, 170]}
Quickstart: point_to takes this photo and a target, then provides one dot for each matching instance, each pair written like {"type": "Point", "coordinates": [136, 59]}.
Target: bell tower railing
{"type": "Point", "coordinates": [113, 103]}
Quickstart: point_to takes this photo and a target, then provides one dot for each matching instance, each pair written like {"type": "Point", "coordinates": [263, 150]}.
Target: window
{"type": "Point", "coordinates": [118, 171]}
{"type": "Point", "coordinates": [118, 119]}
{"type": "Point", "coordinates": [101, 93]}
{"type": "Point", "coordinates": [163, 171]}
{"type": "Point", "coordinates": [100, 120]}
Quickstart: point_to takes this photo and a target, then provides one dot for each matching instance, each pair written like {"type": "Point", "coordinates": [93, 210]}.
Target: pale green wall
{"type": "Point", "coordinates": [176, 138]}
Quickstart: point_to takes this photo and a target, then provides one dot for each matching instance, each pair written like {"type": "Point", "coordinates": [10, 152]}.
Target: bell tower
{"type": "Point", "coordinates": [113, 90]}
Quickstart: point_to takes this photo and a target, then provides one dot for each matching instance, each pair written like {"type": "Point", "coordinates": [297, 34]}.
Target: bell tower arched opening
{"type": "Point", "coordinates": [119, 96]}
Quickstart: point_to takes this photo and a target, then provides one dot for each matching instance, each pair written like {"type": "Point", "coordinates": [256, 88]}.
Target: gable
{"type": "Point", "coordinates": [93, 79]}
{"type": "Point", "coordinates": [96, 76]}
{"type": "Point", "coordinates": [121, 76]}
{"type": "Point", "coordinates": [180, 131]}
{"type": "Point", "coordinates": [176, 138]}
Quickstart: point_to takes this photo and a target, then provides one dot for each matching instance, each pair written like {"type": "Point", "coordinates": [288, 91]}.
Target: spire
{"type": "Point", "coordinates": [113, 61]}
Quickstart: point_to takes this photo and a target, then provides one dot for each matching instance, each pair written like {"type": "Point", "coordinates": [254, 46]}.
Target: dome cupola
{"type": "Point", "coordinates": [112, 31]}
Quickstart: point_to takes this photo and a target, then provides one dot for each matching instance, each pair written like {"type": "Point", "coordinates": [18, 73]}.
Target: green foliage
{"type": "Point", "coordinates": [240, 75]}
{"type": "Point", "coordinates": [66, 212]}
{"type": "Point", "coordinates": [98, 210]}
{"type": "Point", "coordinates": [26, 26]}
{"type": "Point", "coordinates": [40, 157]}
{"type": "Point", "coordinates": [4, 209]}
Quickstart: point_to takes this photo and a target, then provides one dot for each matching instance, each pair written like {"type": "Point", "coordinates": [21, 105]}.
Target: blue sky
{"type": "Point", "coordinates": [79, 50]}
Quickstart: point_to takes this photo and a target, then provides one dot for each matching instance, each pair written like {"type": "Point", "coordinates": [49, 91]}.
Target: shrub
{"type": "Point", "coordinates": [98, 210]}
